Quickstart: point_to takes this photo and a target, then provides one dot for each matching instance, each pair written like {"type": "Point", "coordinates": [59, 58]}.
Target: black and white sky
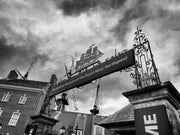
{"type": "Point", "coordinates": [49, 32]}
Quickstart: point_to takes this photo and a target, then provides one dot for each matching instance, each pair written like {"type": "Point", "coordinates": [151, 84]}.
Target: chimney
{"type": "Point", "coordinates": [53, 79]}
{"type": "Point", "coordinates": [12, 75]}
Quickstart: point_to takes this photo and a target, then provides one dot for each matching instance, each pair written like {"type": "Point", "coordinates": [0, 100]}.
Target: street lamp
{"type": "Point", "coordinates": [62, 130]}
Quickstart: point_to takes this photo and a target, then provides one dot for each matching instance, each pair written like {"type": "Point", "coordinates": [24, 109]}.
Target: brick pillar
{"type": "Point", "coordinates": [163, 94]}
{"type": "Point", "coordinates": [44, 124]}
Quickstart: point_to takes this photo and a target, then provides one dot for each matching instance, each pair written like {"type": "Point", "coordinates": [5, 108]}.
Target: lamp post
{"type": "Point", "coordinates": [62, 130]}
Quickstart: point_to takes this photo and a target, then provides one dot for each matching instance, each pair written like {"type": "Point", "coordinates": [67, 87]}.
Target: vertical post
{"type": "Point", "coordinates": [92, 132]}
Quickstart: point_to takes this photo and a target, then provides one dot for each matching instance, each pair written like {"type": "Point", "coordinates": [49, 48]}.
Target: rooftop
{"type": "Point", "coordinates": [126, 114]}
{"type": "Point", "coordinates": [24, 83]}
{"type": "Point", "coordinates": [81, 121]}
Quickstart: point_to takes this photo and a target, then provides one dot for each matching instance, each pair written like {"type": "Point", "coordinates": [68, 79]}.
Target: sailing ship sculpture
{"type": "Point", "coordinates": [87, 60]}
{"type": "Point", "coordinates": [91, 56]}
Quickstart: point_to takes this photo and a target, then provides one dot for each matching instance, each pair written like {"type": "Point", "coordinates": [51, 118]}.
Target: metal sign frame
{"type": "Point", "coordinates": [112, 65]}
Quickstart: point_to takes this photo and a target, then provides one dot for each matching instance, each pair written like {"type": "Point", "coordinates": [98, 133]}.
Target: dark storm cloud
{"type": "Point", "coordinates": [176, 60]}
{"type": "Point", "coordinates": [76, 7]}
{"type": "Point", "coordinates": [4, 25]}
{"type": "Point", "coordinates": [138, 10]}
{"type": "Point", "coordinates": [18, 55]}
{"type": "Point", "coordinates": [16, 48]}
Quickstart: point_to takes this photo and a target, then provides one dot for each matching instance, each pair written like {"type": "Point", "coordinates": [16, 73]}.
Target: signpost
{"type": "Point", "coordinates": [152, 121]}
{"type": "Point", "coordinates": [114, 64]}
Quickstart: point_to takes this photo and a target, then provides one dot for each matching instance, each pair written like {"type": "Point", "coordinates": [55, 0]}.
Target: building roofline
{"type": "Point", "coordinates": [114, 124]}
{"type": "Point", "coordinates": [24, 83]}
{"type": "Point", "coordinates": [102, 122]}
{"type": "Point", "coordinates": [82, 113]}
{"type": "Point", "coordinates": [21, 88]}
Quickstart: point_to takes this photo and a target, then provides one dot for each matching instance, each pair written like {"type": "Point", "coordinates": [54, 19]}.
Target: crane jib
{"type": "Point", "coordinates": [112, 65]}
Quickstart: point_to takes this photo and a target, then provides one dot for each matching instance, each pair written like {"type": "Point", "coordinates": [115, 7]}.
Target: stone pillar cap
{"type": "Point", "coordinates": [163, 90]}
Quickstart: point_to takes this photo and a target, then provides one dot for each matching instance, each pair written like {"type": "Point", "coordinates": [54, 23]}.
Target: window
{"type": "Point", "coordinates": [98, 130]}
{"type": "Point", "coordinates": [1, 111]}
{"type": "Point", "coordinates": [79, 132]}
{"type": "Point", "coordinates": [6, 97]}
{"type": "Point", "coordinates": [22, 99]}
{"type": "Point", "coordinates": [14, 118]}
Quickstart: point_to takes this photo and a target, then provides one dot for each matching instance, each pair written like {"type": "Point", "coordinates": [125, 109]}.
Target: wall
{"type": "Point", "coordinates": [30, 108]}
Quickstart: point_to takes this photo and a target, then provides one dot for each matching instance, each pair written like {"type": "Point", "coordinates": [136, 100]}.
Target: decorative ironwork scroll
{"type": "Point", "coordinates": [145, 71]}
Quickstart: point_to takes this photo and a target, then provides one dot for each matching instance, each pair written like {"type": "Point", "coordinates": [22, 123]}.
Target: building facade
{"type": "Point", "coordinates": [19, 100]}
{"type": "Point", "coordinates": [152, 110]}
{"type": "Point", "coordinates": [72, 123]}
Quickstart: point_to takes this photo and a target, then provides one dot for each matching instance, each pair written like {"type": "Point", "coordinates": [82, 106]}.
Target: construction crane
{"type": "Point", "coordinates": [22, 77]}
{"type": "Point", "coordinates": [27, 73]}
{"type": "Point", "coordinates": [95, 110]}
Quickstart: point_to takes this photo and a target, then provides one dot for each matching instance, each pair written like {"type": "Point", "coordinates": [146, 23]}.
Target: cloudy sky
{"type": "Point", "coordinates": [49, 32]}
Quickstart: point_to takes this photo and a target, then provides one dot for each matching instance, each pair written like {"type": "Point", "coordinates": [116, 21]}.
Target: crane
{"type": "Point", "coordinates": [27, 73]}
{"type": "Point", "coordinates": [95, 110]}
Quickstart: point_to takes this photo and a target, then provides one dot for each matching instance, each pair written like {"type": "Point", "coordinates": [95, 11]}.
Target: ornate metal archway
{"type": "Point", "coordinates": [145, 71]}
